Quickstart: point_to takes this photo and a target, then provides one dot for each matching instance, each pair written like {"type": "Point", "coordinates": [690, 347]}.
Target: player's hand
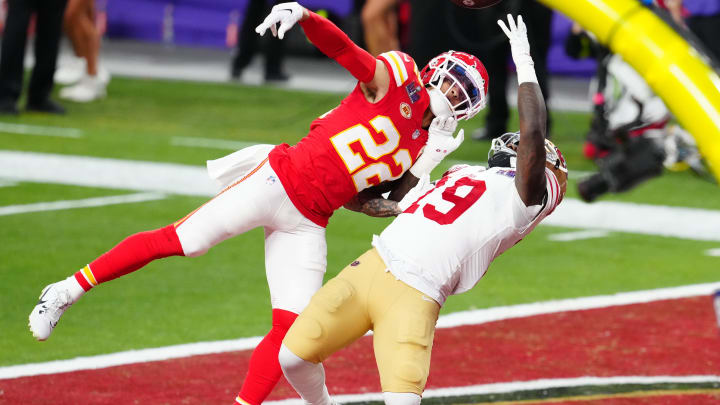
{"type": "Point", "coordinates": [520, 48]}
{"type": "Point", "coordinates": [440, 143]}
{"type": "Point", "coordinates": [415, 193]}
{"type": "Point", "coordinates": [286, 14]}
{"type": "Point", "coordinates": [517, 34]}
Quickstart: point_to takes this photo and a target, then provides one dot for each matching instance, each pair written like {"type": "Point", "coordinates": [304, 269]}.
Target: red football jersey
{"type": "Point", "coordinates": [357, 144]}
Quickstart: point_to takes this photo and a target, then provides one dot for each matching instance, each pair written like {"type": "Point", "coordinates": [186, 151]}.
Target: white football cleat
{"type": "Point", "coordinates": [89, 88]}
{"type": "Point", "coordinates": [70, 71]}
{"type": "Point", "coordinates": [54, 301]}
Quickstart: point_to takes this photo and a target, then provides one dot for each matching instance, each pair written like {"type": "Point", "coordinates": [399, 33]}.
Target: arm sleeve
{"type": "Point", "coordinates": [329, 39]}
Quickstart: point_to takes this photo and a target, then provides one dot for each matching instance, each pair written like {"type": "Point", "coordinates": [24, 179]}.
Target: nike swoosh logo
{"type": "Point", "coordinates": [40, 300]}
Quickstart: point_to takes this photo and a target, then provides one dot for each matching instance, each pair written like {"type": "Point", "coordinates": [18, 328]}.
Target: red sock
{"type": "Point", "coordinates": [129, 255]}
{"type": "Point", "coordinates": [264, 371]}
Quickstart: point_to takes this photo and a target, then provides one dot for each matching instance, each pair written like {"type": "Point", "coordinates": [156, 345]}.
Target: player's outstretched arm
{"type": "Point", "coordinates": [530, 170]}
{"type": "Point", "coordinates": [329, 39]}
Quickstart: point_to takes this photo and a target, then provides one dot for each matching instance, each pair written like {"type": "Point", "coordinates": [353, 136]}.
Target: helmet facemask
{"type": "Point", "coordinates": [452, 71]}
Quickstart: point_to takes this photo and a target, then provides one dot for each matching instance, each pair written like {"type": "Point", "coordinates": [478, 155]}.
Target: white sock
{"type": "Point", "coordinates": [307, 378]}
{"type": "Point", "coordinates": [401, 398]}
{"type": "Point", "coordinates": [74, 288]}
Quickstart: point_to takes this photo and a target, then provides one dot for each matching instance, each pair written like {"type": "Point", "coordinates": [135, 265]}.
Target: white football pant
{"type": "Point", "coordinates": [295, 247]}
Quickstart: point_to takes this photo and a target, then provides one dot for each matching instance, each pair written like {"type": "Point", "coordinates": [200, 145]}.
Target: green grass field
{"type": "Point", "coordinates": [223, 295]}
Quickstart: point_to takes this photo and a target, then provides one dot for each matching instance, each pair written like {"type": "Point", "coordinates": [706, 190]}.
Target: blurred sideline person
{"type": "Point", "coordinates": [90, 80]}
{"type": "Point", "coordinates": [702, 17]}
{"type": "Point", "coordinates": [442, 243]}
{"type": "Point", "coordinates": [394, 120]}
{"type": "Point", "coordinates": [48, 26]}
{"type": "Point", "coordinates": [247, 46]}
{"type": "Point", "coordinates": [380, 26]}
{"type": "Point", "coordinates": [495, 56]}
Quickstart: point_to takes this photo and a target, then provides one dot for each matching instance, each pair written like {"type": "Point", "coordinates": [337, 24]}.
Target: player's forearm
{"type": "Point", "coordinates": [329, 39]}
{"type": "Point", "coordinates": [531, 151]}
{"type": "Point", "coordinates": [371, 202]}
{"type": "Point", "coordinates": [402, 186]}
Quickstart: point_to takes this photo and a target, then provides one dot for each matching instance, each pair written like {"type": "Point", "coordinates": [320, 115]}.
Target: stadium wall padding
{"type": "Point", "coordinates": [671, 67]}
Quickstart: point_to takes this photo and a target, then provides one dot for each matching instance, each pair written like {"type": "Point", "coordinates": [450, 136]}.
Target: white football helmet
{"type": "Point", "coordinates": [503, 152]}
{"type": "Point", "coordinates": [464, 72]}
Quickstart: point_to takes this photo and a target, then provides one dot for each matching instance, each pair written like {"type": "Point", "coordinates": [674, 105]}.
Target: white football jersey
{"type": "Point", "coordinates": [444, 243]}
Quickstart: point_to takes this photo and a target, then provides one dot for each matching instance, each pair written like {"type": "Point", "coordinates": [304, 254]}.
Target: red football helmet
{"type": "Point", "coordinates": [465, 73]}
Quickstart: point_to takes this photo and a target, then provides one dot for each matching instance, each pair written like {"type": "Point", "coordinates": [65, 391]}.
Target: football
{"type": "Point", "coordinates": [475, 3]}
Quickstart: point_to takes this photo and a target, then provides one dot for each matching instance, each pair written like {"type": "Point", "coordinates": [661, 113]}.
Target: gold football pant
{"type": "Point", "coordinates": [362, 297]}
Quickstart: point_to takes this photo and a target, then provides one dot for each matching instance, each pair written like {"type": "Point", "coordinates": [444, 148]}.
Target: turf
{"type": "Point", "coordinates": [223, 295]}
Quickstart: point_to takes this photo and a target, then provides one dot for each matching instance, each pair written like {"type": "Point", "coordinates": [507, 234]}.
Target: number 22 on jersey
{"type": "Point", "coordinates": [365, 174]}
{"type": "Point", "coordinates": [459, 198]}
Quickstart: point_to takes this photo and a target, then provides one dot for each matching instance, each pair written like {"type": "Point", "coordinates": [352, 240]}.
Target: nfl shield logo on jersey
{"type": "Point", "coordinates": [405, 110]}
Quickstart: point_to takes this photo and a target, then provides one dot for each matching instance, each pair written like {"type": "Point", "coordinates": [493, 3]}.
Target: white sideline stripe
{"type": "Point", "coordinates": [24, 129]}
{"type": "Point", "coordinates": [129, 357]}
{"type": "Point", "coordinates": [84, 203]}
{"type": "Point", "coordinates": [579, 235]}
{"type": "Point", "coordinates": [480, 316]}
{"type": "Point", "coordinates": [446, 321]}
{"type": "Point", "coordinates": [209, 143]}
{"type": "Point", "coordinates": [504, 388]}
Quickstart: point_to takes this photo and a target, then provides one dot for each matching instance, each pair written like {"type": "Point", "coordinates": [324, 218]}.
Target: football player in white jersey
{"type": "Point", "coordinates": [442, 242]}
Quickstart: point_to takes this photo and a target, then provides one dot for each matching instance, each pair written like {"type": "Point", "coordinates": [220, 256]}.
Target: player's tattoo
{"type": "Point", "coordinates": [381, 207]}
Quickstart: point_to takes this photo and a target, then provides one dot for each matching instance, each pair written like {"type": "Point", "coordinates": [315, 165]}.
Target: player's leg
{"type": "Point", "coordinates": [403, 334]}
{"type": "Point", "coordinates": [336, 316]}
{"type": "Point", "coordinates": [295, 261]}
{"type": "Point", "coordinates": [243, 206]}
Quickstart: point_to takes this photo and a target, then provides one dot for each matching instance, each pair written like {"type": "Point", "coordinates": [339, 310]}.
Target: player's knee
{"type": "Point", "coordinates": [289, 361]}
{"type": "Point", "coordinates": [193, 245]}
{"type": "Point", "coordinates": [410, 373]}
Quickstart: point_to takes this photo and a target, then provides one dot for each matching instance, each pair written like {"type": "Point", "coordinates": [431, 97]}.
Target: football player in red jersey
{"type": "Point", "coordinates": [396, 125]}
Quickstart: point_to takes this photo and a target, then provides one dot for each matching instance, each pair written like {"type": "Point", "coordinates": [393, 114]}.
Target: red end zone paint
{"type": "Point", "coordinates": [663, 338]}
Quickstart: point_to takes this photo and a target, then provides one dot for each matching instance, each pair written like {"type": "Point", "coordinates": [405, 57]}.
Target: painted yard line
{"type": "Point", "coordinates": [579, 235]}
{"type": "Point", "coordinates": [106, 173]}
{"type": "Point", "coordinates": [84, 203]}
{"type": "Point", "coordinates": [475, 317]}
{"type": "Point", "coordinates": [504, 388]}
{"type": "Point", "coordinates": [37, 130]}
{"type": "Point", "coordinates": [210, 143]}
{"type": "Point", "coordinates": [713, 252]}
{"type": "Point", "coordinates": [7, 183]}
{"type": "Point", "coordinates": [678, 222]}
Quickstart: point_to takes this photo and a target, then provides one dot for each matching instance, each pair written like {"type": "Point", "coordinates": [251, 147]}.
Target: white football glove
{"type": "Point", "coordinates": [520, 48]}
{"type": "Point", "coordinates": [287, 14]}
{"type": "Point", "coordinates": [415, 193]}
{"type": "Point", "coordinates": [440, 143]}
